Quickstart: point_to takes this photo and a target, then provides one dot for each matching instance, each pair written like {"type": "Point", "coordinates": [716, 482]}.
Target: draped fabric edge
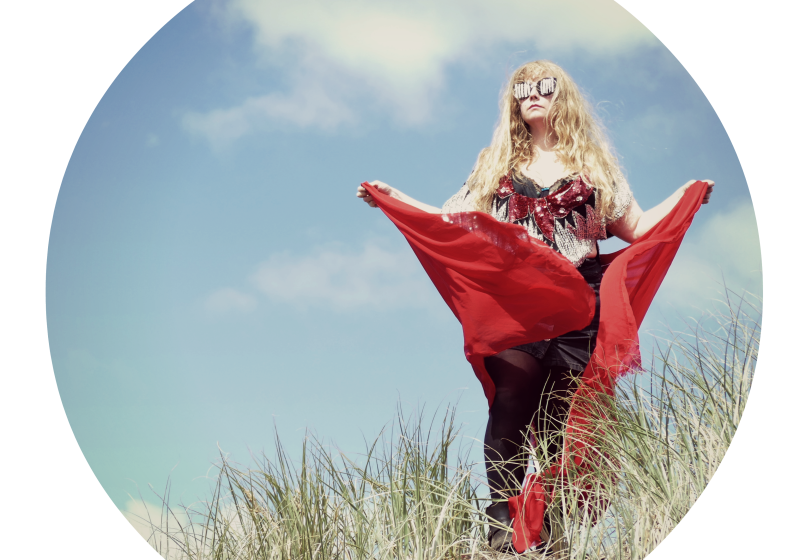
{"type": "Point", "coordinates": [631, 279]}
{"type": "Point", "coordinates": [452, 249]}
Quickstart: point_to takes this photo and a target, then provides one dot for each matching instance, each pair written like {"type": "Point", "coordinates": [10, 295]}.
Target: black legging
{"type": "Point", "coordinates": [525, 394]}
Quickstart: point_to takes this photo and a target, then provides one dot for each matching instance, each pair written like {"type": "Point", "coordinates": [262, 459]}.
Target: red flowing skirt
{"type": "Point", "coordinates": [506, 289]}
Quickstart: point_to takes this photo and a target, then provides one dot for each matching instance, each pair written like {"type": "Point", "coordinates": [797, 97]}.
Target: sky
{"type": "Point", "coordinates": [211, 275]}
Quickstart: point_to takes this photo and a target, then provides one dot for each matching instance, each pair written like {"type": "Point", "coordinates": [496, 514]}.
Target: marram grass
{"type": "Point", "coordinates": [414, 495]}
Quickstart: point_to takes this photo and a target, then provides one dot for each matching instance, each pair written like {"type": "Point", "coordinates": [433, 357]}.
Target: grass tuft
{"type": "Point", "coordinates": [414, 495]}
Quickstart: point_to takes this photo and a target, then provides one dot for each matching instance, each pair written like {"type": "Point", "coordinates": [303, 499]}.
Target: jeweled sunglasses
{"type": "Point", "coordinates": [545, 87]}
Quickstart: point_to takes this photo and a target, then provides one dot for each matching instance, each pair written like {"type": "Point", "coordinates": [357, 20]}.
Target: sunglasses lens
{"type": "Point", "coordinates": [547, 86]}
{"type": "Point", "coordinates": [522, 90]}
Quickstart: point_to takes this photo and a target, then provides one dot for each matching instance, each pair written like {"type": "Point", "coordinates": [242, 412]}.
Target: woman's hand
{"type": "Point", "coordinates": [382, 187]}
{"type": "Point", "coordinates": [635, 223]}
{"type": "Point", "coordinates": [709, 189]}
{"type": "Point", "coordinates": [394, 193]}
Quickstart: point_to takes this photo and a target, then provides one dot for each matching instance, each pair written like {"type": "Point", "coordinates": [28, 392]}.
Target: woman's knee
{"type": "Point", "coordinates": [514, 369]}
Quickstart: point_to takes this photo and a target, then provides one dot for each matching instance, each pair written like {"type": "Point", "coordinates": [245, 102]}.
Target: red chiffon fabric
{"type": "Point", "coordinates": [507, 288]}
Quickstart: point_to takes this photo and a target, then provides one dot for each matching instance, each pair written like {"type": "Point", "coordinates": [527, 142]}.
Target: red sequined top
{"type": "Point", "coordinates": [564, 216]}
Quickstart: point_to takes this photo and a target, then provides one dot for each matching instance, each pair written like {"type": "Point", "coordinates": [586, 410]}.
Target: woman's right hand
{"type": "Point", "coordinates": [381, 186]}
{"type": "Point", "coordinates": [394, 193]}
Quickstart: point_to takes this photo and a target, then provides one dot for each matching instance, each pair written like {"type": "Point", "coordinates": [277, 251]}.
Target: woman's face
{"type": "Point", "coordinates": [535, 107]}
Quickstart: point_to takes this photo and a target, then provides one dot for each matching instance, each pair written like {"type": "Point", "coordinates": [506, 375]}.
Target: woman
{"type": "Point", "coordinates": [549, 169]}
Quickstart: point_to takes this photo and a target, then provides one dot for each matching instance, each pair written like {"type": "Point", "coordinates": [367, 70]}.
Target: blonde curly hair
{"type": "Point", "coordinates": [581, 145]}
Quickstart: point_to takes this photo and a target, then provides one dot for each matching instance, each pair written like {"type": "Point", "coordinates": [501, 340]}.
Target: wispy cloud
{"type": "Point", "coordinates": [157, 526]}
{"type": "Point", "coordinates": [346, 56]}
{"type": "Point", "coordinates": [226, 300]}
{"type": "Point", "coordinates": [657, 131]}
{"type": "Point", "coordinates": [373, 278]}
{"type": "Point", "coordinates": [725, 248]}
{"type": "Point", "coordinates": [305, 107]}
{"type": "Point", "coordinates": [150, 522]}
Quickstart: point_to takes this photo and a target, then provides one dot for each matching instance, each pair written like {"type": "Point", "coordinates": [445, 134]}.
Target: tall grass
{"type": "Point", "coordinates": [414, 495]}
{"type": "Point", "coordinates": [667, 432]}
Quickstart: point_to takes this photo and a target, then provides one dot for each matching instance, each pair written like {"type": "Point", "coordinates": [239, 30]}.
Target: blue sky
{"type": "Point", "coordinates": [211, 273]}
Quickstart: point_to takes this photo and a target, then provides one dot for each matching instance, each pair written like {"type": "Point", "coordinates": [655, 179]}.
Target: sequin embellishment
{"type": "Point", "coordinates": [546, 209]}
{"type": "Point", "coordinates": [575, 242]}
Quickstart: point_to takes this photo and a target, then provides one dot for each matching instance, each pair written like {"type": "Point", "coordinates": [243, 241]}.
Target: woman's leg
{"type": "Point", "coordinates": [548, 422]}
{"type": "Point", "coordinates": [551, 415]}
{"type": "Point", "coordinates": [517, 377]}
{"type": "Point", "coordinates": [519, 381]}
{"type": "Point", "coordinates": [525, 394]}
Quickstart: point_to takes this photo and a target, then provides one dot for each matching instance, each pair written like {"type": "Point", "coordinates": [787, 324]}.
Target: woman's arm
{"type": "Point", "coordinates": [635, 223]}
{"type": "Point", "coordinates": [394, 193]}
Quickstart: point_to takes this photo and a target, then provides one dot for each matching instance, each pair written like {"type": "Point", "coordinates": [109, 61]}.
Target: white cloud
{"type": "Point", "coordinates": [227, 299]}
{"type": "Point", "coordinates": [412, 40]}
{"type": "Point", "coordinates": [304, 108]}
{"type": "Point", "coordinates": [355, 53]}
{"type": "Point", "coordinates": [150, 522]}
{"type": "Point", "coordinates": [374, 278]}
{"type": "Point", "coordinates": [153, 523]}
{"type": "Point", "coordinates": [725, 248]}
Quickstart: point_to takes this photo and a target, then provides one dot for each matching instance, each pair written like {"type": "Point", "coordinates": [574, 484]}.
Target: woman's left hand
{"type": "Point", "coordinates": [709, 188]}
